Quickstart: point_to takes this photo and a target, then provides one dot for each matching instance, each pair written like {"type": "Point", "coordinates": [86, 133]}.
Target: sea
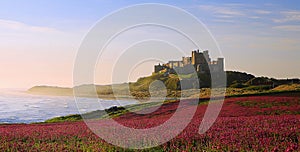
{"type": "Point", "coordinates": [18, 106]}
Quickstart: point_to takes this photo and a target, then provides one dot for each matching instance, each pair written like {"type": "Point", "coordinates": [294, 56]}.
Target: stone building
{"type": "Point", "coordinates": [199, 61]}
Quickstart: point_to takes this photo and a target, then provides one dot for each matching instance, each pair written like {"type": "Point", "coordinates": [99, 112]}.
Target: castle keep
{"type": "Point", "coordinates": [199, 62]}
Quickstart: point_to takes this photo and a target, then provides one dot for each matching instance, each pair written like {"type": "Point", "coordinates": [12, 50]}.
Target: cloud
{"type": "Point", "coordinates": [290, 28]}
{"type": "Point", "coordinates": [229, 11]}
{"type": "Point", "coordinates": [223, 21]}
{"type": "Point", "coordinates": [221, 10]}
{"type": "Point", "coordinates": [288, 16]}
{"type": "Point", "coordinates": [254, 17]}
{"type": "Point", "coordinates": [224, 16]}
{"type": "Point", "coordinates": [236, 4]}
{"type": "Point", "coordinates": [262, 12]}
{"type": "Point", "coordinates": [19, 26]}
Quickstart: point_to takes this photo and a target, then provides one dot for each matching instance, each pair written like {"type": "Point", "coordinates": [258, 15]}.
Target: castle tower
{"type": "Point", "coordinates": [200, 61]}
{"type": "Point", "coordinates": [220, 63]}
{"type": "Point", "coordinates": [206, 56]}
{"type": "Point", "coordinates": [195, 57]}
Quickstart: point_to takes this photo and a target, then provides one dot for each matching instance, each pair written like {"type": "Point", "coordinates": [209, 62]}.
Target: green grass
{"type": "Point", "coordinates": [107, 113]}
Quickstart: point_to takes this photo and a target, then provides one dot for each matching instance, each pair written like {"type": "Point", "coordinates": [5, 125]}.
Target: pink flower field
{"type": "Point", "coordinates": [256, 123]}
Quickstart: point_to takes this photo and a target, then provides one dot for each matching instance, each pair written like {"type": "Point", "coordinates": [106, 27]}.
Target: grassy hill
{"type": "Point", "coordinates": [50, 90]}
{"type": "Point", "coordinates": [238, 83]}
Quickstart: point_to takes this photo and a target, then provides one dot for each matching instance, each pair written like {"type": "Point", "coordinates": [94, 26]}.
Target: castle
{"type": "Point", "coordinates": [199, 62]}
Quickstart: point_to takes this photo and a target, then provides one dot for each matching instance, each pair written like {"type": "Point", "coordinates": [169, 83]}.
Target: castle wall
{"type": "Point", "coordinates": [173, 64]}
{"type": "Point", "coordinates": [186, 60]}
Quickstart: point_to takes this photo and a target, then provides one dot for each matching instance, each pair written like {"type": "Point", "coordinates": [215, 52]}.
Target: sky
{"type": "Point", "coordinates": [39, 39]}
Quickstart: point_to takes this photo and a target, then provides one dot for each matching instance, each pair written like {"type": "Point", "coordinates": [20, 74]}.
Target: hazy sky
{"type": "Point", "coordinates": [39, 39]}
